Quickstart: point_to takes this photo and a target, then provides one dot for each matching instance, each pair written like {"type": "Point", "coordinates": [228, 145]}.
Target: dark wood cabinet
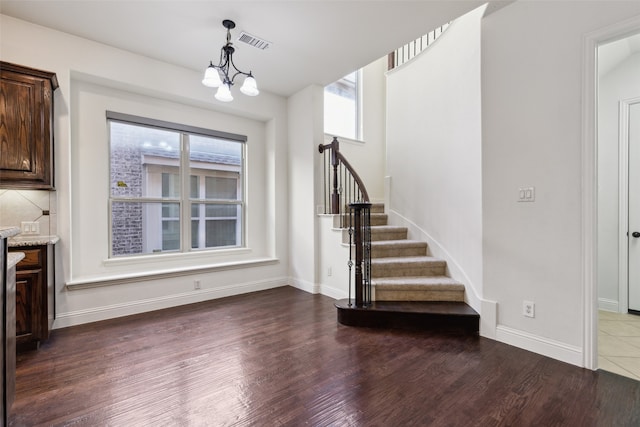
{"type": "Point", "coordinates": [26, 127]}
{"type": "Point", "coordinates": [34, 296]}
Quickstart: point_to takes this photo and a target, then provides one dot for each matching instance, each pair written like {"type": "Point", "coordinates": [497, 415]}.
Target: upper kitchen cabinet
{"type": "Point", "coordinates": [26, 127]}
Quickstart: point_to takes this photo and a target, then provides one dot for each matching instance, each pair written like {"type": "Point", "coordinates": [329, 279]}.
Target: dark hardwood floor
{"type": "Point", "coordinates": [279, 357]}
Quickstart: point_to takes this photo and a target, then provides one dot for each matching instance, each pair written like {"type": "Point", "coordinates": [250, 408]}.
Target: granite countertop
{"type": "Point", "coordinates": [8, 231]}
{"type": "Point", "coordinates": [32, 240]}
{"type": "Point", "coordinates": [14, 258]}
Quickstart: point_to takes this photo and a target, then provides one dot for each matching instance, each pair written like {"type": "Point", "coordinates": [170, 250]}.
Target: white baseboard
{"type": "Point", "coordinates": [332, 292]}
{"type": "Point", "coordinates": [544, 346]}
{"type": "Point", "coordinates": [304, 285]}
{"type": "Point", "coordinates": [488, 318]}
{"type": "Point", "coordinates": [80, 317]}
{"type": "Point", "coordinates": [608, 305]}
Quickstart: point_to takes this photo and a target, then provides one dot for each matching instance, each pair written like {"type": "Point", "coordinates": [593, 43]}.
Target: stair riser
{"type": "Point", "coordinates": [384, 252]}
{"type": "Point", "coordinates": [377, 219]}
{"type": "Point", "coordinates": [379, 236]}
{"type": "Point", "coordinates": [402, 271]}
{"type": "Point", "coordinates": [384, 295]}
{"type": "Point", "coordinates": [375, 208]}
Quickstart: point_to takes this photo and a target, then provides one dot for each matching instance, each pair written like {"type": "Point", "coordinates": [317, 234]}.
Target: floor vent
{"type": "Point", "coordinates": [253, 41]}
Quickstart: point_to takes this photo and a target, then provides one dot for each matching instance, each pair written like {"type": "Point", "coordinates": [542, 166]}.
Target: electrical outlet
{"type": "Point", "coordinates": [528, 309]}
{"type": "Point", "coordinates": [196, 284]}
{"type": "Point", "coordinates": [329, 271]}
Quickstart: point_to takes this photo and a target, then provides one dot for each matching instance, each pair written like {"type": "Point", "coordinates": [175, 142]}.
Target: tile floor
{"type": "Point", "coordinates": [619, 343]}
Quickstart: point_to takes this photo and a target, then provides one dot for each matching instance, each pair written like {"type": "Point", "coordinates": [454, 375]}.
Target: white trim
{"type": "Point", "coordinates": [79, 317]}
{"type": "Point", "coordinates": [332, 292]}
{"type": "Point", "coordinates": [608, 305]}
{"type": "Point", "coordinates": [488, 319]}
{"type": "Point", "coordinates": [540, 345]}
{"type": "Point", "coordinates": [623, 207]}
{"type": "Point", "coordinates": [589, 203]}
{"type": "Point", "coordinates": [589, 179]}
{"type": "Point", "coordinates": [164, 274]}
{"type": "Point", "coordinates": [304, 285]}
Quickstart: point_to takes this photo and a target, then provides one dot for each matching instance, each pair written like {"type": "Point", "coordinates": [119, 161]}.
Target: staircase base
{"type": "Point", "coordinates": [440, 316]}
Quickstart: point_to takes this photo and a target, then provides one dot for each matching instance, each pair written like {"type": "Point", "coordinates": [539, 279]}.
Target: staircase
{"type": "Point", "coordinates": [411, 290]}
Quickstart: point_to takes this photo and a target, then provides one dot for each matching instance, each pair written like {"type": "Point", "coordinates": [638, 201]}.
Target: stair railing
{"type": "Point", "coordinates": [413, 48]}
{"type": "Point", "coordinates": [344, 187]}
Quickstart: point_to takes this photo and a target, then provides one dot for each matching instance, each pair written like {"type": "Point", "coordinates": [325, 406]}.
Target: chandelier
{"type": "Point", "coordinates": [219, 75]}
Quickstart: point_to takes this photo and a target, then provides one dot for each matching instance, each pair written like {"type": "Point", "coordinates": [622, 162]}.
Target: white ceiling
{"type": "Point", "coordinates": [314, 42]}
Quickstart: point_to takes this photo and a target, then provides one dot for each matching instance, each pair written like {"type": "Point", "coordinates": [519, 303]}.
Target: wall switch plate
{"type": "Point", "coordinates": [527, 194]}
{"type": "Point", "coordinates": [528, 309]}
{"type": "Point", "coordinates": [30, 227]}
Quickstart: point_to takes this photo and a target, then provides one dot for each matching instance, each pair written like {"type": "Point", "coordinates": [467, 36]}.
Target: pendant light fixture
{"type": "Point", "coordinates": [219, 75]}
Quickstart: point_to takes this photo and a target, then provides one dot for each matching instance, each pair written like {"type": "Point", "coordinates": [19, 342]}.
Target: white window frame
{"type": "Point", "coordinates": [184, 171]}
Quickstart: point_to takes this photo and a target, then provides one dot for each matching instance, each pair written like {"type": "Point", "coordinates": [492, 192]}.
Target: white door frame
{"type": "Point", "coordinates": [590, 180]}
{"type": "Point", "coordinates": [623, 205]}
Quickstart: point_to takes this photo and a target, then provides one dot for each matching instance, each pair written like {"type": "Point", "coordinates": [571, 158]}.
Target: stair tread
{"type": "Point", "coordinates": [402, 242]}
{"type": "Point", "coordinates": [409, 260]}
{"type": "Point", "coordinates": [382, 228]}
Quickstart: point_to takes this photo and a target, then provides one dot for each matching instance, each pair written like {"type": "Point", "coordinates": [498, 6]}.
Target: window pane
{"type": "Point", "coordinates": [213, 211]}
{"type": "Point", "coordinates": [139, 228]}
{"type": "Point", "coordinates": [221, 188]}
{"type": "Point", "coordinates": [220, 227]}
{"type": "Point", "coordinates": [195, 186]}
{"type": "Point", "coordinates": [133, 149]}
{"type": "Point", "coordinates": [195, 234]}
{"type": "Point", "coordinates": [210, 155]}
{"type": "Point", "coordinates": [341, 107]}
{"type": "Point", "coordinates": [170, 185]}
{"type": "Point", "coordinates": [221, 233]}
{"type": "Point", "coordinates": [170, 235]}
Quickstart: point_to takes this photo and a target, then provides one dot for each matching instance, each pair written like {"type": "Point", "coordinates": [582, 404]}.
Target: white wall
{"type": "Point", "coordinates": [92, 75]}
{"type": "Point", "coordinates": [434, 150]}
{"type": "Point", "coordinates": [305, 134]}
{"type": "Point", "coordinates": [532, 67]}
{"type": "Point", "coordinates": [619, 83]}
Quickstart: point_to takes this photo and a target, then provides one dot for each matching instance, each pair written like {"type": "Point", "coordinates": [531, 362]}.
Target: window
{"type": "Point", "coordinates": [174, 188]}
{"type": "Point", "coordinates": [342, 107]}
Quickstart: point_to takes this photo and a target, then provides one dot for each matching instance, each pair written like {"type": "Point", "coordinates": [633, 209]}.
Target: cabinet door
{"type": "Point", "coordinates": [26, 156]}
{"type": "Point", "coordinates": [27, 297]}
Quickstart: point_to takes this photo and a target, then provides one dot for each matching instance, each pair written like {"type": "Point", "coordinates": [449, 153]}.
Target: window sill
{"type": "Point", "coordinates": [329, 137]}
{"type": "Point", "coordinates": [165, 274]}
{"type": "Point", "coordinates": [172, 256]}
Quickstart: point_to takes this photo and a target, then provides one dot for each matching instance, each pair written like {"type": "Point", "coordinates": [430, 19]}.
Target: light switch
{"type": "Point", "coordinates": [526, 194]}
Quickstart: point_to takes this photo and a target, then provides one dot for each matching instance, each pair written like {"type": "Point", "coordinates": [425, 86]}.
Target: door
{"type": "Point", "coordinates": [633, 128]}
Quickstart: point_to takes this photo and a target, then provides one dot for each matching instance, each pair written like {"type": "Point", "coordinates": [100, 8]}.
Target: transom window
{"type": "Point", "coordinates": [174, 188]}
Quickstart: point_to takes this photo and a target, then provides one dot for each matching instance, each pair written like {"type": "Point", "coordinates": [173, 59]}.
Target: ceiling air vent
{"type": "Point", "coordinates": [253, 41]}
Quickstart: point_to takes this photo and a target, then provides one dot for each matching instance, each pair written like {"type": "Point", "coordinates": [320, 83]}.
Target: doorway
{"type": "Point", "coordinates": [618, 206]}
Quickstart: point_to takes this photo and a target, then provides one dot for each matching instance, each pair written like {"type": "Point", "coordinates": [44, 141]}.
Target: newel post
{"type": "Point", "coordinates": [360, 213]}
